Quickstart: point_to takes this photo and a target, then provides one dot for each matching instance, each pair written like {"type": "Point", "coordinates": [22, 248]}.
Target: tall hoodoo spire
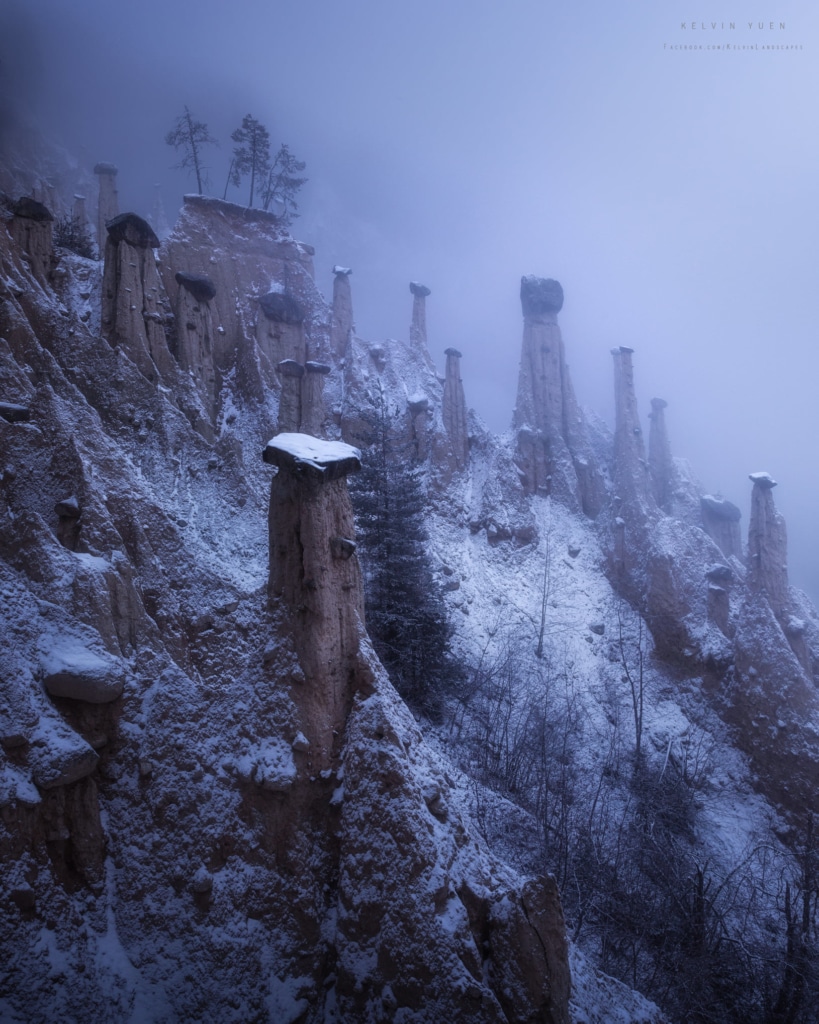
{"type": "Point", "coordinates": [454, 408]}
{"type": "Point", "coordinates": [194, 325]}
{"type": "Point", "coordinates": [32, 228]}
{"type": "Point", "coordinates": [341, 323]}
{"type": "Point", "coordinates": [131, 294]}
{"type": "Point", "coordinates": [631, 474]}
{"type": "Point", "coordinates": [767, 545]}
{"type": "Point", "coordinates": [553, 453]}
{"type": "Point", "coordinates": [108, 202]}
{"type": "Point", "coordinates": [660, 462]}
{"type": "Point", "coordinates": [314, 571]}
{"type": "Point", "coordinates": [418, 327]}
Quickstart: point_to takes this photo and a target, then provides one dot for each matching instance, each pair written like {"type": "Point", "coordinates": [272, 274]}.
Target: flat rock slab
{"type": "Point", "coordinates": [199, 286]}
{"type": "Point", "coordinates": [302, 453]}
{"type": "Point", "coordinates": [72, 670]}
{"type": "Point", "coordinates": [720, 508]}
{"type": "Point", "coordinates": [14, 413]}
{"type": "Point", "coordinates": [763, 480]}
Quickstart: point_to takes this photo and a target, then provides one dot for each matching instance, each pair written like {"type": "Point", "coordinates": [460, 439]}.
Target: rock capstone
{"type": "Point", "coordinates": [540, 296]}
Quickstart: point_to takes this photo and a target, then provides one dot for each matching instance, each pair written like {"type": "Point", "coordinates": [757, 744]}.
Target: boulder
{"type": "Point", "coordinates": [31, 209]}
{"type": "Point", "coordinates": [70, 669]}
{"type": "Point", "coordinates": [14, 413]}
{"type": "Point", "coordinates": [133, 229]}
{"type": "Point", "coordinates": [281, 308]}
{"type": "Point", "coordinates": [539, 296]}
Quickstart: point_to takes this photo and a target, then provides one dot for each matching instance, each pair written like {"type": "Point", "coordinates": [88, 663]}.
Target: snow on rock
{"type": "Point", "coordinates": [70, 669]}
{"type": "Point", "coordinates": [273, 766]}
{"type": "Point", "coordinates": [600, 999]}
{"type": "Point", "coordinates": [58, 756]}
{"type": "Point", "coordinates": [332, 459]}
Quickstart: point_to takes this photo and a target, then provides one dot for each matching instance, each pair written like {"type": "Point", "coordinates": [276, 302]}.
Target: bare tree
{"type": "Point", "coordinates": [189, 136]}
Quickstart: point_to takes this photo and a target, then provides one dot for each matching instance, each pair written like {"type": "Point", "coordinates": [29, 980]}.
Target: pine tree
{"type": "Point", "coordinates": [405, 611]}
{"type": "Point", "coordinates": [252, 153]}
{"type": "Point", "coordinates": [190, 136]}
{"type": "Point", "coordinates": [283, 183]}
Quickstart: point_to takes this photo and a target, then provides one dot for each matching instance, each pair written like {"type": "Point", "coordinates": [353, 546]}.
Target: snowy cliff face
{"type": "Point", "coordinates": [213, 805]}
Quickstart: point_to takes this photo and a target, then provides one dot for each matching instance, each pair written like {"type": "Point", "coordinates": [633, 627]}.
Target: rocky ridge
{"type": "Point", "coordinates": [205, 792]}
{"type": "Point", "coordinates": [207, 778]}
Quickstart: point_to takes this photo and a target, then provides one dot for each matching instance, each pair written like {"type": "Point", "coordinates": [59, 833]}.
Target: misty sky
{"type": "Point", "coordinates": [463, 143]}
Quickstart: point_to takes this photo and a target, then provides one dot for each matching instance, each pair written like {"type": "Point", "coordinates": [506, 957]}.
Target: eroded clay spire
{"type": "Point", "coordinates": [314, 572]}
{"type": "Point", "coordinates": [341, 323]}
{"type": "Point", "coordinates": [108, 202]}
{"type": "Point", "coordinates": [631, 474]}
{"type": "Point", "coordinates": [660, 462]}
{"type": "Point", "coordinates": [767, 545]}
{"type": "Point", "coordinates": [454, 408]}
{"type": "Point", "coordinates": [131, 292]}
{"type": "Point", "coordinates": [418, 327]}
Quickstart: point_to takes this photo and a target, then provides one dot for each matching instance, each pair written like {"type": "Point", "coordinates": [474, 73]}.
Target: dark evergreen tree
{"type": "Point", "coordinates": [251, 155]}
{"type": "Point", "coordinates": [404, 606]}
{"type": "Point", "coordinates": [283, 184]}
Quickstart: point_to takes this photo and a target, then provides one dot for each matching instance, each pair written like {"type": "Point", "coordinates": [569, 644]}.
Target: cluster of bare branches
{"type": "Point", "coordinates": [619, 824]}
